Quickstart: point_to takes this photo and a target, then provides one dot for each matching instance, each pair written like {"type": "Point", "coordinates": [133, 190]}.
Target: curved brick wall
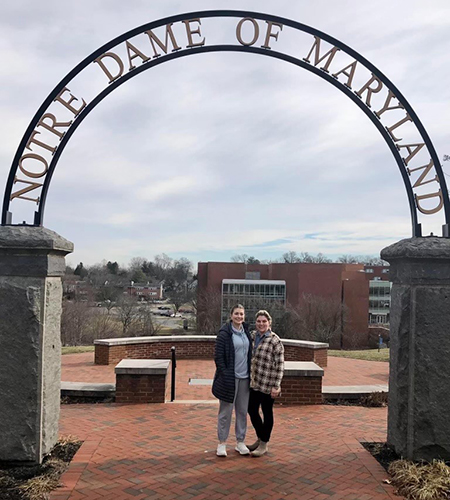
{"type": "Point", "coordinates": [111, 351]}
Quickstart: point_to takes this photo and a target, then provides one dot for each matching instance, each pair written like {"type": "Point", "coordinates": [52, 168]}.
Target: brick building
{"type": "Point", "coordinates": [292, 284]}
{"type": "Point", "coordinates": [146, 291]}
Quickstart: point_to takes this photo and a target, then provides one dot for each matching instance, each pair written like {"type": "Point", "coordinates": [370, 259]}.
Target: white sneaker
{"type": "Point", "coordinates": [241, 448]}
{"type": "Point", "coordinates": [221, 450]}
{"type": "Point", "coordinates": [252, 447]}
{"type": "Point", "coordinates": [262, 449]}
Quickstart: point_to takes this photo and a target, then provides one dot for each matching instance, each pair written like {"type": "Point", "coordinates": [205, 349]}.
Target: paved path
{"type": "Point", "coordinates": [167, 451]}
{"type": "Point", "coordinates": [340, 372]}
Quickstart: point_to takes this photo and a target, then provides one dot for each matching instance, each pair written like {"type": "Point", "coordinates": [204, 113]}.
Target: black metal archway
{"type": "Point", "coordinates": [31, 184]}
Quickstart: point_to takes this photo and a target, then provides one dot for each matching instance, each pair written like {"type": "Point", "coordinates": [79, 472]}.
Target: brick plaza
{"type": "Point", "coordinates": [167, 451]}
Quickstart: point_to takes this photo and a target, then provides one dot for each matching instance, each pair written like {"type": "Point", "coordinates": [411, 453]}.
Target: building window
{"type": "Point", "coordinates": [379, 301]}
{"type": "Point", "coordinates": [254, 295]}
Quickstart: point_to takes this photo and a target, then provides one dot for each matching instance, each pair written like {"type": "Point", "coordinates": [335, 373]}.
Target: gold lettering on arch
{"type": "Point", "coordinates": [420, 181]}
{"type": "Point", "coordinates": [429, 211]}
{"type": "Point", "coordinates": [134, 52]}
{"type": "Point", "coordinates": [105, 69]}
{"type": "Point", "coordinates": [35, 166]}
{"type": "Point", "coordinates": [255, 32]}
{"type": "Point", "coordinates": [163, 46]}
{"type": "Point", "coordinates": [31, 186]}
{"type": "Point", "coordinates": [317, 58]}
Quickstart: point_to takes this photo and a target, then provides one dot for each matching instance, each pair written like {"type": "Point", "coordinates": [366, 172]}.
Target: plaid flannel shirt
{"type": "Point", "coordinates": [267, 366]}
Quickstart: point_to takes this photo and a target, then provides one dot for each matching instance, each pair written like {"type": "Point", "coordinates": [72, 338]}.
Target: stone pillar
{"type": "Point", "coordinates": [31, 265]}
{"type": "Point", "coordinates": [419, 380]}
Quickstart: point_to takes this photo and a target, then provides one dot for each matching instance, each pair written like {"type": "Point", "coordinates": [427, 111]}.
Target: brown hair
{"type": "Point", "coordinates": [264, 313]}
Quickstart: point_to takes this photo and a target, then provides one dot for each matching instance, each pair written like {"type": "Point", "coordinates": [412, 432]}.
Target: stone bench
{"type": "Point", "coordinates": [109, 351]}
{"type": "Point", "coordinates": [140, 381]}
{"type": "Point", "coordinates": [302, 383]}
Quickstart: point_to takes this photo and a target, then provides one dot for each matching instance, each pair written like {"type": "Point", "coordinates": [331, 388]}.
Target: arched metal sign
{"type": "Point", "coordinates": [249, 32]}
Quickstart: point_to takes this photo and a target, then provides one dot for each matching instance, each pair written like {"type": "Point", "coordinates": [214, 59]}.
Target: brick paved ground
{"type": "Point", "coordinates": [340, 371]}
{"type": "Point", "coordinates": [167, 451]}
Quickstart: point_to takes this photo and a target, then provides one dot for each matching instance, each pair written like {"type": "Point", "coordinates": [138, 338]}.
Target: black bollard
{"type": "Point", "coordinates": [174, 365]}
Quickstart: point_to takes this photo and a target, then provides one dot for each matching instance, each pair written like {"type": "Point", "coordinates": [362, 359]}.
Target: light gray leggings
{"type": "Point", "coordinates": [241, 395]}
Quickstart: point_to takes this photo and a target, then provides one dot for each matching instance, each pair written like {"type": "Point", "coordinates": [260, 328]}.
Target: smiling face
{"type": "Point", "coordinates": [262, 324]}
{"type": "Point", "coordinates": [237, 317]}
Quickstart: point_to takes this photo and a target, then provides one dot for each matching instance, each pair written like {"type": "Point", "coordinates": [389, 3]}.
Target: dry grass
{"type": "Point", "coordinates": [423, 481]}
{"type": "Point", "coordinates": [36, 482]}
{"type": "Point", "coordinates": [375, 400]}
{"type": "Point", "coordinates": [368, 355]}
{"type": "Point", "coordinates": [38, 487]}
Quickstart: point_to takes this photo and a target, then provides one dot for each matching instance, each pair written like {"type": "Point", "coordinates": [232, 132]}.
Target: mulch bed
{"type": "Point", "coordinates": [373, 400]}
{"type": "Point", "coordinates": [77, 400]}
{"type": "Point", "coordinates": [382, 453]}
{"type": "Point", "coordinates": [36, 481]}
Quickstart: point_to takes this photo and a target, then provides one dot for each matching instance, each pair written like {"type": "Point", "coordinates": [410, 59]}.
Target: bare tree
{"type": "Point", "coordinates": [291, 257]}
{"type": "Point", "coordinates": [163, 261]}
{"type": "Point", "coordinates": [321, 259]}
{"type": "Point", "coordinates": [243, 257]}
{"type": "Point", "coordinates": [182, 295]}
{"type": "Point", "coordinates": [371, 260]}
{"type": "Point", "coordinates": [128, 312]}
{"type": "Point", "coordinates": [348, 259]}
{"type": "Point", "coordinates": [322, 317]}
{"type": "Point", "coordinates": [295, 258]}
{"type": "Point", "coordinates": [102, 324]}
{"type": "Point", "coordinates": [316, 318]}
{"type": "Point", "coordinates": [313, 259]}
{"type": "Point", "coordinates": [145, 324]}
{"type": "Point", "coordinates": [74, 322]}
{"type": "Point", "coordinates": [208, 307]}
{"type": "Point", "coordinates": [368, 260]}
{"type": "Point", "coordinates": [136, 263]}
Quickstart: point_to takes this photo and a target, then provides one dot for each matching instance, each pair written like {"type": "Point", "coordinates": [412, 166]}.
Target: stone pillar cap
{"type": "Point", "coordinates": [433, 247]}
{"type": "Point", "coordinates": [33, 237]}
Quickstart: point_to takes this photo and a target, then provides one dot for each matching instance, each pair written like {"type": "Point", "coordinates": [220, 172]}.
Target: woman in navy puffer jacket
{"type": "Point", "coordinates": [232, 379]}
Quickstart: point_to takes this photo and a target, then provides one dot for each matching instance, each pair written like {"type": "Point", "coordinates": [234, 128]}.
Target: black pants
{"type": "Point", "coordinates": [265, 401]}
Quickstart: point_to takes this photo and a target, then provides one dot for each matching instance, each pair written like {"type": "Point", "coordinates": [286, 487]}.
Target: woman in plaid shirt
{"type": "Point", "coordinates": [265, 380]}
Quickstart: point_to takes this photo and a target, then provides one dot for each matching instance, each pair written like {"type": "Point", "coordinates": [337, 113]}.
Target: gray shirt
{"type": "Point", "coordinates": [241, 347]}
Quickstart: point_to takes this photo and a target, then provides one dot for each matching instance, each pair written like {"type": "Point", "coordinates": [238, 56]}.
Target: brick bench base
{"type": "Point", "coordinates": [141, 381]}
{"type": "Point", "coordinates": [302, 384]}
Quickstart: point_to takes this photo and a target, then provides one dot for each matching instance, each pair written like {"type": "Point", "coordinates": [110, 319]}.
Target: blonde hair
{"type": "Point", "coordinates": [237, 306]}
{"type": "Point", "coordinates": [264, 313]}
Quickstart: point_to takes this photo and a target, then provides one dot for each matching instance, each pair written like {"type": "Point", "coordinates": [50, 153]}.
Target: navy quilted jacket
{"type": "Point", "coordinates": [223, 385]}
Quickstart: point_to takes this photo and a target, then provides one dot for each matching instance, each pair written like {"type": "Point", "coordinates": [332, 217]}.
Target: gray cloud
{"type": "Point", "coordinates": [215, 154]}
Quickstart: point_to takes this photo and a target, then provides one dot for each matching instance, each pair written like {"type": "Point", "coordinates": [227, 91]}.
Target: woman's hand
{"type": "Point", "coordinates": [274, 393]}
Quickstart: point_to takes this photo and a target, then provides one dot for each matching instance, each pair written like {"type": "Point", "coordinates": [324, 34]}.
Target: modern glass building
{"type": "Point", "coordinates": [379, 302]}
{"type": "Point", "coordinates": [253, 294]}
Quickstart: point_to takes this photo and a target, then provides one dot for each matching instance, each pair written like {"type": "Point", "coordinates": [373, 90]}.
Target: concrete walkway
{"type": "Point", "coordinates": [167, 451]}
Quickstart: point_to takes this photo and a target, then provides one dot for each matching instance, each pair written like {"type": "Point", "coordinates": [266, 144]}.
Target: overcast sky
{"type": "Point", "coordinates": [221, 154]}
